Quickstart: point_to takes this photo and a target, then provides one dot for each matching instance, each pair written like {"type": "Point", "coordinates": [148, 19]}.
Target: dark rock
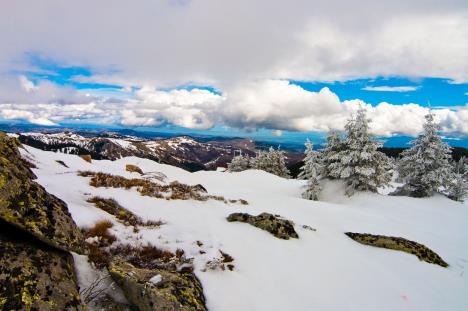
{"type": "Point", "coordinates": [33, 275]}
{"type": "Point", "coordinates": [175, 291]}
{"type": "Point", "coordinates": [399, 244]}
{"type": "Point", "coordinates": [279, 227]}
{"type": "Point", "coordinates": [26, 205]}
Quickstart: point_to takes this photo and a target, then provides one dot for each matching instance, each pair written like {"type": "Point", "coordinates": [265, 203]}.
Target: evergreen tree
{"type": "Point", "coordinates": [331, 156]}
{"type": "Point", "coordinates": [239, 163]}
{"type": "Point", "coordinates": [311, 171]}
{"type": "Point", "coordinates": [360, 164]}
{"type": "Point", "coordinates": [458, 188]}
{"type": "Point", "coordinates": [425, 167]}
{"type": "Point", "coordinates": [271, 161]}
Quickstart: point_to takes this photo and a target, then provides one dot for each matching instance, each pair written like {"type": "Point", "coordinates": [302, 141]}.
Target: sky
{"type": "Point", "coordinates": [259, 67]}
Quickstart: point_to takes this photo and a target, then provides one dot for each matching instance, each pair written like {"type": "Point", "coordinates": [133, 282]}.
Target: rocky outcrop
{"type": "Point", "coordinates": [399, 244]}
{"type": "Point", "coordinates": [26, 205]}
{"type": "Point", "coordinates": [158, 289]}
{"type": "Point", "coordinates": [35, 276]}
{"type": "Point", "coordinates": [36, 233]}
{"type": "Point", "coordinates": [279, 227]}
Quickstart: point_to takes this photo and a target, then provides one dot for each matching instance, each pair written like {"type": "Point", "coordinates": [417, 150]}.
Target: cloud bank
{"type": "Point", "coordinates": [272, 104]}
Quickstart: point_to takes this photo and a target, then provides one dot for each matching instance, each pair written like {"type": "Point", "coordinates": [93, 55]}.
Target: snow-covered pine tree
{"type": "Point", "coordinates": [361, 166]}
{"type": "Point", "coordinates": [458, 188]}
{"type": "Point", "coordinates": [331, 156]}
{"type": "Point", "coordinates": [271, 161]}
{"type": "Point", "coordinates": [239, 163]}
{"type": "Point", "coordinates": [425, 167]}
{"type": "Point", "coordinates": [311, 171]}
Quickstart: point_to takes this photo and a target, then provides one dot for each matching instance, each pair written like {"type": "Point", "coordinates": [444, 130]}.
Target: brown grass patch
{"type": "Point", "coordinates": [86, 157]}
{"type": "Point", "coordinates": [133, 169]}
{"type": "Point", "coordinates": [114, 208]}
{"type": "Point", "coordinates": [101, 230]}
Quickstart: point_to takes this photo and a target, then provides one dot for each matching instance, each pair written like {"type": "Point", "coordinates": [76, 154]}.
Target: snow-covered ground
{"type": "Point", "coordinates": [322, 270]}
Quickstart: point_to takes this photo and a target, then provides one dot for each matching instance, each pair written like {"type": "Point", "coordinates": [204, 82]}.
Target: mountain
{"type": "Point", "coordinates": [182, 151]}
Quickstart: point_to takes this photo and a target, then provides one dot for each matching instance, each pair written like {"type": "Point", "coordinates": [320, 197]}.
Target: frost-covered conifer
{"type": "Point", "coordinates": [458, 188]}
{"type": "Point", "coordinates": [271, 161]}
{"type": "Point", "coordinates": [239, 163]}
{"type": "Point", "coordinates": [331, 156]}
{"type": "Point", "coordinates": [311, 171]}
{"type": "Point", "coordinates": [425, 167]}
{"type": "Point", "coordinates": [360, 164]}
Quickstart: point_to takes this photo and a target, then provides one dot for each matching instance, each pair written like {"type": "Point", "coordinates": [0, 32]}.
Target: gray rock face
{"type": "Point", "coordinates": [172, 291]}
{"type": "Point", "coordinates": [35, 276]}
{"type": "Point", "coordinates": [26, 205]}
{"type": "Point", "coordinates": [279, 227]}
{"type": "Point", "coordinates": [36, 233]}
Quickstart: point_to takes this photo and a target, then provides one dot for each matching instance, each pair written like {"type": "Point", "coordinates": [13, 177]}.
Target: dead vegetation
{"type": "Point", "coordinates": [171, 191]}
{"type": "Point", "coordinates": [128, 218]}
{"type": "Point", "coordinates": [62, 163]}
{"type": "Point", "coordinates": [144, 257]}
{"type": "Point", "coordinates": [100, 230]}
{"type": "Point", "coordinates": [86, 157]}
{"type": "Point", "coordinates": [133, 169]}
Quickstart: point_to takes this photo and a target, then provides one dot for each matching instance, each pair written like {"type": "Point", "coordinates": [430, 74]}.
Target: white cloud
{"type": "Point", "coordinates": [225, 42]}
{"type": "Point", "coordinates": [27, 84]}
{"type": "Point", "coordinates": [390, 88]}
{"type": "Point", "coordinates": [195, 109]}
{"type": "Point", "coordinates": [277, 105]}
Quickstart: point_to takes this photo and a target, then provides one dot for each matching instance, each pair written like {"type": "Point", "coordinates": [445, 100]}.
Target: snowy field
{"type": "Point", "coordinates": [322, 270]}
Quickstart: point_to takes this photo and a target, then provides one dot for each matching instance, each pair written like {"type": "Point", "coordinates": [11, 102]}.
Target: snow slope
{"type": "Point", "coordinates": [322, 270]}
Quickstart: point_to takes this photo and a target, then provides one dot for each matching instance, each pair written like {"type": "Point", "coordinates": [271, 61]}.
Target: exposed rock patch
{"type": "Point", "coordinates": [174, 290]}
{"type": "Point", "coordinates": [279, 227]}
{"type": "Point", "coordinates": [35, 276]}
{"type": "Point", "coordinates": [26, 204]}
{"type": "Point", "coordinates": [399, 244]}
{"type": "Point", "coordinates": [36, 231]}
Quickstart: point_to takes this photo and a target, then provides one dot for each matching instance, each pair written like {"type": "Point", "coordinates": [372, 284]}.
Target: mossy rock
{"type": "Point", "coordinates": [35, 276]}
{"type": "Point", "coordinates": [399, 244]}
{"type": "Point", "coordinates": [279, 227]}
{"type": "Point", "coordinates": [28, 206]}
{"type": "Point", "coordinates": [175, 291]}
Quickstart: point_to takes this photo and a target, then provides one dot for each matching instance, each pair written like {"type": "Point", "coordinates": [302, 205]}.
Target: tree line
{"type": "Point", "coordinates": [424, 169]}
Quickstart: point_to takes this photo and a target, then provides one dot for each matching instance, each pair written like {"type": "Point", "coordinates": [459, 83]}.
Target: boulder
{"type": "Point", "coordinates": [35, 276]}
{"type": "Point", "coordinates": [26, 205]}
{"type": "Point", "coordinates": [399, 244]}
{"type": "Point", "coordinates": [279, 227]}
{"type": "Point", "coordinates": [173, 290]}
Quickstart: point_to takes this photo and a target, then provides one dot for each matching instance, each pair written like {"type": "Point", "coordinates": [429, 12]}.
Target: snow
{"type": "Point", "coordinates": [322, 270]}
{"type": "Point", "coordinates": [156, 279]}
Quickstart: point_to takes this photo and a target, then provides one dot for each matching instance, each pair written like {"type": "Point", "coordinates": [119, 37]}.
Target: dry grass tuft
{"type": "Point", "coordinates": [86, 157]}
{"type": "Point", "coordinates": [133, 169]}
{"type": "Point", "coordinates": [101, 230]}
{"type": "Point", "coordinates": [114, 208]}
